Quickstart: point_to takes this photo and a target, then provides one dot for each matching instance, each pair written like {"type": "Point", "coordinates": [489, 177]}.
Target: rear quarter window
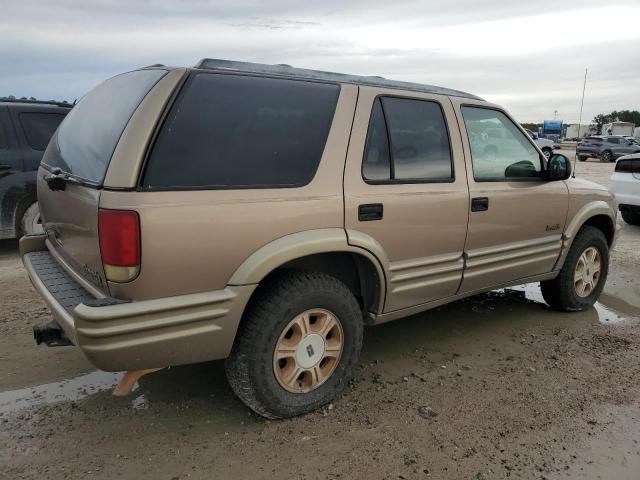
{"type": "Point", "coordinates": [89, 134]}
{"type": "Point", "coordinates": [235, 131]}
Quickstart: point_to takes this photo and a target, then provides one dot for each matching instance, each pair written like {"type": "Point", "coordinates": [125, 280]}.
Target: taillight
{"type": "Point", "coordinates": [119, 232]}
{"type": "Point", "coordinates": [597, 144]}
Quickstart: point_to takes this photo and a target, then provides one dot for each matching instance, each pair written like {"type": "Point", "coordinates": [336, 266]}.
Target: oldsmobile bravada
{"type": "Point", "coordinates": [265, 214]}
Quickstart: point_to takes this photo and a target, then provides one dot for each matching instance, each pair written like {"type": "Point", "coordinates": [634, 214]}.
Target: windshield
{"type": "Point", "coordinates": [86, 139]}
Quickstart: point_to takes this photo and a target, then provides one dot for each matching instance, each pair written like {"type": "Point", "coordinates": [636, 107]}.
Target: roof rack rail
{"type": "Point", "coordinates": [284, 70]}
{"type": "Point", "coordinates": [45, 102]}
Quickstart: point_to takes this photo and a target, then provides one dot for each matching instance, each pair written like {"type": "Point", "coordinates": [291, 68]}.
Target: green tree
{"type": "Point", "coordinates": [632, 116]}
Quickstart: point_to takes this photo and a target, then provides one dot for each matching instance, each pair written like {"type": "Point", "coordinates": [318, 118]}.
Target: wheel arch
{"type": "Point", "coordinates": [323, 250]}
{"type": "Point", "coordinates": [598, 214]}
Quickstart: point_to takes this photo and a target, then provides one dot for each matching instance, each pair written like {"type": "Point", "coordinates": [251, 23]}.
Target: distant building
{"type": "Point", "coordinates": [584, 130]}
{"type": "Point", "coordinates": [618, 128]}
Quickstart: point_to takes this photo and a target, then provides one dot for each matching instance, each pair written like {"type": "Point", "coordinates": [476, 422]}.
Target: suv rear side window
{"type": "Point", "coordinates": [234, 131]}
{"type": "Point", "coordinates": [39, 128]}
{"type": "Point", "coordinates": [89, 134]}
{"type": "Point", "coordinates": [413, 134]}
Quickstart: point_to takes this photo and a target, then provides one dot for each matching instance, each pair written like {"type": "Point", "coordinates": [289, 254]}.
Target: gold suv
{"type": "Point", "coordinates": [265, 214]}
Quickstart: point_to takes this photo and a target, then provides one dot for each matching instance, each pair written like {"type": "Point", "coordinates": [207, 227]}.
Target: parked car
{"type": "Point", "coordinates": [264, 214]}
{"type": "Point", "coordinates": [547, 146]}
{"type": "Point", "coordinates": [625, 185]}
{"type": "Point", "coordinates": [25, 129]}
{"type": "Point", "coordinates": [605, 148]}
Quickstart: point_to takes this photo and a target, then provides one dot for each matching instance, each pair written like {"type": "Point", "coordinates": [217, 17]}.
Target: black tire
{"type": "Point", "coordinates": [582, 158]}
{"type": "Point", "coordinates": [606, 156]}
{"type": "Point", "coordinates": [560, 293]}
{"type": "Point", "coordinates": [632, 218]}
{"type": "Point", "coordinates": [249, 368]}
{"type": "Point", "coordinates": [547, 152]}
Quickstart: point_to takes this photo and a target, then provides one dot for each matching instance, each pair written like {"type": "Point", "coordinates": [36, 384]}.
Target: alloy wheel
{"type": "Point", "coordinates": [308, 351]}
{"type": "Point", "coordinates": [587, 272]}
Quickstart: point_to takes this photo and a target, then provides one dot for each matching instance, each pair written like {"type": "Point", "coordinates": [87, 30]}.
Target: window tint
{"type": "Point", "coordinates": [243, 131]}
{"type": "Point", "coordinates": [39, 127]}
{"type": "Point", "coordinates": [4, 144]}
{"type": "Point", "coordinates": [613, 140]}
{"type": "Point", "coordinates": [377, 165]}
{"type": "Point", "coordinates": [89, 134]}
{"type": "Point", "coordinates": [418, 142]}
{"type": "Point", "coordinates": [499, 150]}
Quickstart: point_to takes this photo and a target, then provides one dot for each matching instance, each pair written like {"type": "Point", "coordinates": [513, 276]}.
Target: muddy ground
{"type": "Point", "coordinates": [518, 391]}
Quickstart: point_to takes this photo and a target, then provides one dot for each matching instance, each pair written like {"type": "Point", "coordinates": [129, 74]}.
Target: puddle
{"type": "Point", "coordinates": [199, 387]}
{"type": "Point", "coordinates": [610, 310]}
{"type": "Point", "coordinates": [77, 388]}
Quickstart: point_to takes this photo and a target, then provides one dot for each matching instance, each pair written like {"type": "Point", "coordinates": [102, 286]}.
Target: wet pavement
{"type": "Point", "coordinates": [514, 390]}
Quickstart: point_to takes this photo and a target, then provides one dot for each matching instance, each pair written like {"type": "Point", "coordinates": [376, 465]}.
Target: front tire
{"type": "Point", "coordinates": [606, 156]}
{"type": "Point", "coordinates": [583, 275]}
{"type": "Point", "coordinates": [297, 346]}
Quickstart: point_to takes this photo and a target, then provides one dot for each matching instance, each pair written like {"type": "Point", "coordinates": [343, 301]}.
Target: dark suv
{"type": "Point", "coordinates": [25, 129]}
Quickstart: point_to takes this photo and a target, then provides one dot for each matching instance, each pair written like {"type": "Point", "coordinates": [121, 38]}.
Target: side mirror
{"type": "Point", "coordinates": [558, 167]}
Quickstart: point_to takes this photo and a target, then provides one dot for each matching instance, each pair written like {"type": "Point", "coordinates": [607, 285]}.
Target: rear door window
{"type": "Point", "coordinates": [89, 134]}
{"type": "Point", "coordinates": [39, 128]}
{"type": "Point", "coordinates": [235, 131]}
{"type": "Point", "coordinates": [407, 142]}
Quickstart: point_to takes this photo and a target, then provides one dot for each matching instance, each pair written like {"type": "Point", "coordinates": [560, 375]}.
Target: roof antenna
{"type": "Point", "coordinates": [584, 87]}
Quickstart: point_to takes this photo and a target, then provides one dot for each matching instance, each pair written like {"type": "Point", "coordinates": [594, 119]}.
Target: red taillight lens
{"type": "Point", "coordinates": [119, 232]}
{"type": "Point", "coordinates": [596, 144]}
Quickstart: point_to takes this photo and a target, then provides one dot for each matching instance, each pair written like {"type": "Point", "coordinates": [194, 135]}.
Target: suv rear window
{"type": "Point", "coordinates": [39, 127]}
{"type": "Point", "coordinates": [89, 134]}
{"type": "Point", "coordinates": [235, 131]}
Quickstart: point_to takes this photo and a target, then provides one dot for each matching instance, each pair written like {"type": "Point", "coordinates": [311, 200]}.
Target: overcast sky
{"type": "Point", "coordinates": [530, 57]}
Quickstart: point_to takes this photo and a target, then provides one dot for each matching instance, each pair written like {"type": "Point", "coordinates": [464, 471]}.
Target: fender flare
{"type": "Point", "coordinates": [301, 244]}
{"type": "Point", "coordinates": [588, 211]}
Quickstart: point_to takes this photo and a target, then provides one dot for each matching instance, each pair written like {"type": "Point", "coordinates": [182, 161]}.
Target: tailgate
{"type": "Point", "coordinates": [70, 220]}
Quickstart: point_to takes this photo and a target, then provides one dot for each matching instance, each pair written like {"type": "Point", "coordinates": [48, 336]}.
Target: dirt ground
{"type": "Point", "coordinates": [517, 391]}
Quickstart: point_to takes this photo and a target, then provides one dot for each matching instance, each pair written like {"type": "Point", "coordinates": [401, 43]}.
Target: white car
{"type": "Point", "coordinates": [545, 144]}
{"type": "Point", "coordinates": [625, 185]}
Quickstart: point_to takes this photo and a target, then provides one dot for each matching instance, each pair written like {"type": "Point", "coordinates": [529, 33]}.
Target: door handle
{"type": "Point", "coordinates": [370, 212]}
{"type": "Point", "coordinates": [480, 204]}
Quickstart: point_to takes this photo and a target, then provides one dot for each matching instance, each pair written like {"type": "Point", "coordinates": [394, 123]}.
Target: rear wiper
{"type": "Point", "coordinates": [58, 180]}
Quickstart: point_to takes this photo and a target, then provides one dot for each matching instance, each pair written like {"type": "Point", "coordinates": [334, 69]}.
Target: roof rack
{"type": "Point", "coordinates": [283, 70]}
{"type": "Point", "coordinates": [46, 102]}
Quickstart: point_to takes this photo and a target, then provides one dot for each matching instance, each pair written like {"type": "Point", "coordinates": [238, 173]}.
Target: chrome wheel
{"type": "Point", "coordinates": [606, 156]}
{"type": "Point", "coordinates": [547, 153]}
{"type": "Point", "coordinates": [587, 272]}
{"type": "Point", "coordinates": [308, 351]}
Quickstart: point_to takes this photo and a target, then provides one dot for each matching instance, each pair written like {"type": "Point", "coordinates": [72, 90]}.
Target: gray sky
{"type": "Point", "coordinates": [529, 57]}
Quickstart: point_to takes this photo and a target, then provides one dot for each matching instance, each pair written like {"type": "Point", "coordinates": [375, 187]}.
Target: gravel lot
{"type": "Point", "coordinates": [517, 391]}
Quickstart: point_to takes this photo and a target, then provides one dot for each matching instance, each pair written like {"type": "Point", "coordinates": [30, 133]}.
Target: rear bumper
{"type": "Point", "coordinates": [117, 336]}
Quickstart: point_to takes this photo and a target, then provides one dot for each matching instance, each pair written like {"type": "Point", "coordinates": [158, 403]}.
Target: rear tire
{"type": "Point", "coordinates": [563, 292]}
{"type": "Point", "coordinates": [253, 368]}
{"type": "Point", "coordinates": [632, 218]}
{"type": "Point", "coordinates": [582, 158]}
{"type": "Point", "coordinates": [547, 152]}
{"type": "Point", "coordinates": [31, 222]}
